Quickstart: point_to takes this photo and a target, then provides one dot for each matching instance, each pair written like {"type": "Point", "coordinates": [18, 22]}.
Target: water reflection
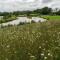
{"type": "Point", "coordinates": [23, 20]}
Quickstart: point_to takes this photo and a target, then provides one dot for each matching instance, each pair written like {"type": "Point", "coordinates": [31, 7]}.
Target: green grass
{"type": "Point", "coordinates": [7, 19]}
{"type": "Point", "coordinates": [51, 17]}
{"type": "Point", "coordinates": [36, 41]}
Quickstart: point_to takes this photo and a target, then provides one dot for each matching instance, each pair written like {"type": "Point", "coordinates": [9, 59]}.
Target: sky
{"type": "Point", "coordinates": [19, 5]}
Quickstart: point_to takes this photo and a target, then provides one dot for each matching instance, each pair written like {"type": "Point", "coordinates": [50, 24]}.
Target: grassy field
{"type": "Point", "coordinates": [36, 41]}
{"type": "Point", "coordinates": [51, 17]}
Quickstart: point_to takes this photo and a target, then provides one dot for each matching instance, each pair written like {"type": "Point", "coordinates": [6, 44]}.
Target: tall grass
{"type": "Point", "coordinates": [36, 41]}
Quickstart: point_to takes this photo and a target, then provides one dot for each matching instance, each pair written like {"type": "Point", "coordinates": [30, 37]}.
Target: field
{"type": "Point", "coordinates": [36, 41]}
{"type": "Point", "coordinates": [51, 17]}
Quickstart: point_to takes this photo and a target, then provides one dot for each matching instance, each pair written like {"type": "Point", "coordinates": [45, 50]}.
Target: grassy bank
{"type": "Point", "coordinates": [7, 19]}
{"type": "Point", "coordinates": [36, 41]}
{"type": "Point", "coordinates": [51, 17]}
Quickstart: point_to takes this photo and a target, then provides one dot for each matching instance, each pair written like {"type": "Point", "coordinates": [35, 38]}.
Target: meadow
{"type": "Point", "coordinates": [50, 17]}
{"type": "Point", "coordinates": [36, 41]}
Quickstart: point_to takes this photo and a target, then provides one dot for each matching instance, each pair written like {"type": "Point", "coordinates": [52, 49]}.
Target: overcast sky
{"type": "Point", "coordinates": [14, 5]}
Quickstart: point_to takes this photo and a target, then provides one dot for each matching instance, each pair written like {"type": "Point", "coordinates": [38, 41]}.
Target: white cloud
{"type": "Point", "coordinates": [14, 5]}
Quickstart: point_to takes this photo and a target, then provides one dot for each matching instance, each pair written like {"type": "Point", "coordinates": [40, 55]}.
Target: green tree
{"type": "Point", "coordinates": [46, 11]}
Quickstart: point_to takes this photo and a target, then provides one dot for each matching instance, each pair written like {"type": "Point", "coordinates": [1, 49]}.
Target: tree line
{"type": "Point", "coordinates": [42, 11]}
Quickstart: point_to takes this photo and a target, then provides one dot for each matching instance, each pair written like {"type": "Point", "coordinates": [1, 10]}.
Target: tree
{"type": "Point", "coordinates": [58, 12]}
{"type": "Point", "coordinates": [28, 13]}
{"type": "Point", "coordinates": [46, 11]}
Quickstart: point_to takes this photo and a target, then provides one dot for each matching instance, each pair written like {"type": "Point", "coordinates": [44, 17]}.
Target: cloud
{"type": "Point", "coordinates": [55, 4]}
{"type": "Point", "coordinates": [46, 1]}
{"type": "Point", "coordinates": [14, 5]}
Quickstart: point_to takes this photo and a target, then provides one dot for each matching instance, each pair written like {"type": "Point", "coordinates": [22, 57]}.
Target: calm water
{"type": "Point", "coordinates": [23, 19]}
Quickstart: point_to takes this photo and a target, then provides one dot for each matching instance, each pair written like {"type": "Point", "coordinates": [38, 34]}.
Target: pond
{"type": "Point", "coordinates": [23, 20]}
